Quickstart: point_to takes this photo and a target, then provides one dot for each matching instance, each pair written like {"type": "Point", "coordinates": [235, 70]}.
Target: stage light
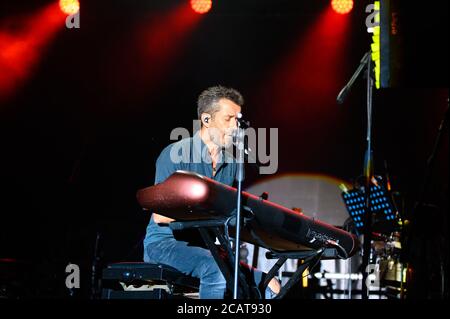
{"type": "Point", "coordinates": [201, 6]}
{"type": "Point", "coordinates": [21, 49]}
{"type": "Point", "coordinates": [69, 7]}
{"type": "Point", "coordinates": [342, 6]}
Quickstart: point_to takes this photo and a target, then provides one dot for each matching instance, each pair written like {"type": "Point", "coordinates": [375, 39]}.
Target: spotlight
{"type": "Point", "coordinates": [69, 7]}
{"type": "Point", "coordinates": [201, 6]}
{"type": "Point", "coordinates": [342, 6]}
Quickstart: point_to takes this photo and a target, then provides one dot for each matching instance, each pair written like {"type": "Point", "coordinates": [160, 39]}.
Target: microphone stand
{"type": "Point", "coordinates": [240, 175]}
{"type": "Point", "coordinates": [362, 64]}
{"type": "Point", "coordinates": [368, 174]}
{"type": "Point", "coordinates": [365, 63]}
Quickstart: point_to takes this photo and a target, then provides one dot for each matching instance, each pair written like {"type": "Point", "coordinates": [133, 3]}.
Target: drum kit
{"type": "Point", "coordinates": [386, 254]}
{"type": "Point", "coordinates": [325, 203]}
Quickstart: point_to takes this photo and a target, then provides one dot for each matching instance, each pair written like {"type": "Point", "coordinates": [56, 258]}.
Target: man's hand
{"type": "Point", "coordinates": [275, 286]}
{"type": "Point", "coordinates": [159, 219]}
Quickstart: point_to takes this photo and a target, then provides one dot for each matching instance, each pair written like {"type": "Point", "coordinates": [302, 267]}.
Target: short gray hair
{"type": "Point", "coordinates": [207, 101]}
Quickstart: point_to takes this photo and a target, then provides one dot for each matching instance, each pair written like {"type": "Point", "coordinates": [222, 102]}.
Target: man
{"type": "Point", "coordinates": [217, 110]}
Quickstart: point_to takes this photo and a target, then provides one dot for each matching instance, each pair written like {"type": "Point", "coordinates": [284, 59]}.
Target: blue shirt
{"type": "Point", "coordinates": [189, 154]}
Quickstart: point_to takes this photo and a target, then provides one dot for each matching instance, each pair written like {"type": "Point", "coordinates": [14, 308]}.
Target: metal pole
{"type": "Point", "coordinates": [368, 173]}
{"type": "Point", "coordinates": [239, 178]}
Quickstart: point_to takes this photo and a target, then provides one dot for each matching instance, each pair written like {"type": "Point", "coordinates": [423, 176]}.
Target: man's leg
{"type": "Point", "coordinates": [194, 261]}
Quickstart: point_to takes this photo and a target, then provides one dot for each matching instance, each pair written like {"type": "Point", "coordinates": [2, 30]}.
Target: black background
{"type": "Point", "coordinates": [74, 148]}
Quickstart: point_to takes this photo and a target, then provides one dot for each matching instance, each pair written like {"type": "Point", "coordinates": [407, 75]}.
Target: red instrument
{"type": "Point", "coordinates": [189, 196]}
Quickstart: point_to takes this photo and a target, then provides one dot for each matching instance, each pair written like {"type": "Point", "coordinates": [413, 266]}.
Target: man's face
{"type": "Point", "coordinates": [223, 123]}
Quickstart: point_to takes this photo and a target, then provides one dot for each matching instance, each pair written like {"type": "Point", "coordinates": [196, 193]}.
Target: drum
{"type": "Point", "coordinates": [392, 271]}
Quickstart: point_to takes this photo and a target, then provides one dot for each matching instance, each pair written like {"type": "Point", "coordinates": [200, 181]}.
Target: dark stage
{"type": "Point", "coordinates": [86, 110]}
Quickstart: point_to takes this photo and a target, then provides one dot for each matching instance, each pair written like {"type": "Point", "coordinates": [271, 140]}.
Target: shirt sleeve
{"type": "Point", "coordinates": [164, 166]}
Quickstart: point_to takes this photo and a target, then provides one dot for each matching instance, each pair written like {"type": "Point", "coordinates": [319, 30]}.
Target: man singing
{"type": "Point", "coordinates": [217, 110]}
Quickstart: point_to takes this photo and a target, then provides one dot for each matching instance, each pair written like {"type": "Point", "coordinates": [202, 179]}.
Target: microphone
{"type": "Point", "coordinates": [241, 122]}
{"type": "Point", "coordinates": [247, 150]}
{"type": "Point", "coordinates": [234, 135]}
{"type": "Point", "coordinates": [235, 138]}
{"type": "Point", "coordinates": [362, 64]}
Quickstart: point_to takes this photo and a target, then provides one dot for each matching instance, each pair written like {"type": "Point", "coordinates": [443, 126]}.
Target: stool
{"type": "Point", "coordinates": [139, 280]}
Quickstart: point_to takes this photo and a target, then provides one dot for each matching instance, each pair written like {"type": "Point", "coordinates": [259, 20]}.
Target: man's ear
{"type": "Point", "coordinates": [206, 119]}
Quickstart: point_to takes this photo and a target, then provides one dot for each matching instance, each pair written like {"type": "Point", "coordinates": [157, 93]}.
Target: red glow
{"type": "Point", "coordinates": [69, 7]}
{"type": "Point", "coordinates": [300, 92]}
{"type": "Point", "coordinates": [156, 45]}
{"type": "Point", "coordinates": [201, 6]}
{"type": "Point", "coordinates": [165, 39]}
{"type": "Point", "coordinates": [22, 47]}
{"type": "Point", "coordinates": [313, 68]}
{"type": "Point", "coordinates": [342, 6]}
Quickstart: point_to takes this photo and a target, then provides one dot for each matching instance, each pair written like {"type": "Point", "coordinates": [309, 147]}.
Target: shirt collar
{"type": "Point", "coordinates": [201, 151]}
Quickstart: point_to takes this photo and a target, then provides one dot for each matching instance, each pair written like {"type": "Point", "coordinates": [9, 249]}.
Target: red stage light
{"type": "Point", "coordinates": [201, 6]}
{"type": "Point", "coordinates": [69, 7]}
{"type": "Point", "coordinates": [342, 6]}
{"type": "Point", "coordinates": [21, 49]}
